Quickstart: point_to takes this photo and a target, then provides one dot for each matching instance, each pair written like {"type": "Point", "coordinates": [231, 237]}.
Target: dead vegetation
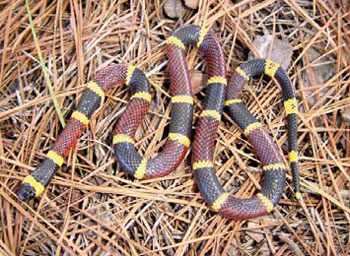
{"type": "Point", "coordinates": [92, 207]}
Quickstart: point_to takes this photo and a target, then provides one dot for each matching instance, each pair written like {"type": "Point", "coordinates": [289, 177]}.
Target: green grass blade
{"type": "Point", "coordinates": [43, 67]}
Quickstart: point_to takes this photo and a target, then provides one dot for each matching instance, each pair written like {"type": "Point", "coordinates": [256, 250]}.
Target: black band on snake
{"type": "Point", "coordinates": [178, 141]}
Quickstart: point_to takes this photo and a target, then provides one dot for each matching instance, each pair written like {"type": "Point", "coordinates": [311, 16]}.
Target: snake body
{"type": "Point", "coordinates": [258, 136]}
{"type": "Point", "coordinates": [178, 141]}
{"type": "Point", "coordinates": [34, 184]}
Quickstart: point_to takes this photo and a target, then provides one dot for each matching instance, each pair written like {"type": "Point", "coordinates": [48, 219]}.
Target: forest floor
{"type": "Point", "coordinates": [92, 207]}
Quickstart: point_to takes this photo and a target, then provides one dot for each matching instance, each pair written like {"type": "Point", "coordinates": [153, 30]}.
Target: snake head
{"type": "Point", "coordinates": [26, 192]}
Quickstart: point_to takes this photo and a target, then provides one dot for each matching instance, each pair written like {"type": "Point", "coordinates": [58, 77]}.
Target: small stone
{"type": "Point", "coordinates": [198, 81]}
{"type": "Point", "coordinates": [193, 4]}
{"type": "Point", "coordinates": [174, 9]}
{"type": "Point", "coordinates": [345, 115]}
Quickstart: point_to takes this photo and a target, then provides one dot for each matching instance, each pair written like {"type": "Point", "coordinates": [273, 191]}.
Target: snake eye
{"type": "Point", "coordinates": [26, 192]}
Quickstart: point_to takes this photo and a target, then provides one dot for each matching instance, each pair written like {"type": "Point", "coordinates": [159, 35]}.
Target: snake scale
{"type": "Point", "coordinates": [219, 93]}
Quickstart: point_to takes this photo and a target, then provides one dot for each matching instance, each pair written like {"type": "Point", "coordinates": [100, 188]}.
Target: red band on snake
{"type": "Point", "coordinates": [274, 169]}
{"type": "Point", "coordinates": [178, 141]}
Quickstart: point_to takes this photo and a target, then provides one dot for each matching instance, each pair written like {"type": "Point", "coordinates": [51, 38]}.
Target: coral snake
{"type": "Point", "coordinates": [178, 140]}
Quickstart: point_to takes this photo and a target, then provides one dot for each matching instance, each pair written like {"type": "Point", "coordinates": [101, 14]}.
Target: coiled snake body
{"type": "Point", "coordinates": [178, 141]}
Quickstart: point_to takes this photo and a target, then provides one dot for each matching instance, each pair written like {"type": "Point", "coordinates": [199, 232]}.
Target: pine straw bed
{"type": "Point", "coordinates": [93, 208]}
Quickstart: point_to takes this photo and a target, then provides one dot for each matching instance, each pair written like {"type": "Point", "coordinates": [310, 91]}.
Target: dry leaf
{"type": "Point", "coordinates": [292, 245]}
{"type": "Point", "coordinates": [254, 233]}
{"type": "Point", "coordinates": [320, 71]}
{"type": "Point", "coordinates": [281, 51]}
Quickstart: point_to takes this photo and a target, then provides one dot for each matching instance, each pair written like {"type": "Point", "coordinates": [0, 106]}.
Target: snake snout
{"type": "Point", "coordinates": [26, 192]}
